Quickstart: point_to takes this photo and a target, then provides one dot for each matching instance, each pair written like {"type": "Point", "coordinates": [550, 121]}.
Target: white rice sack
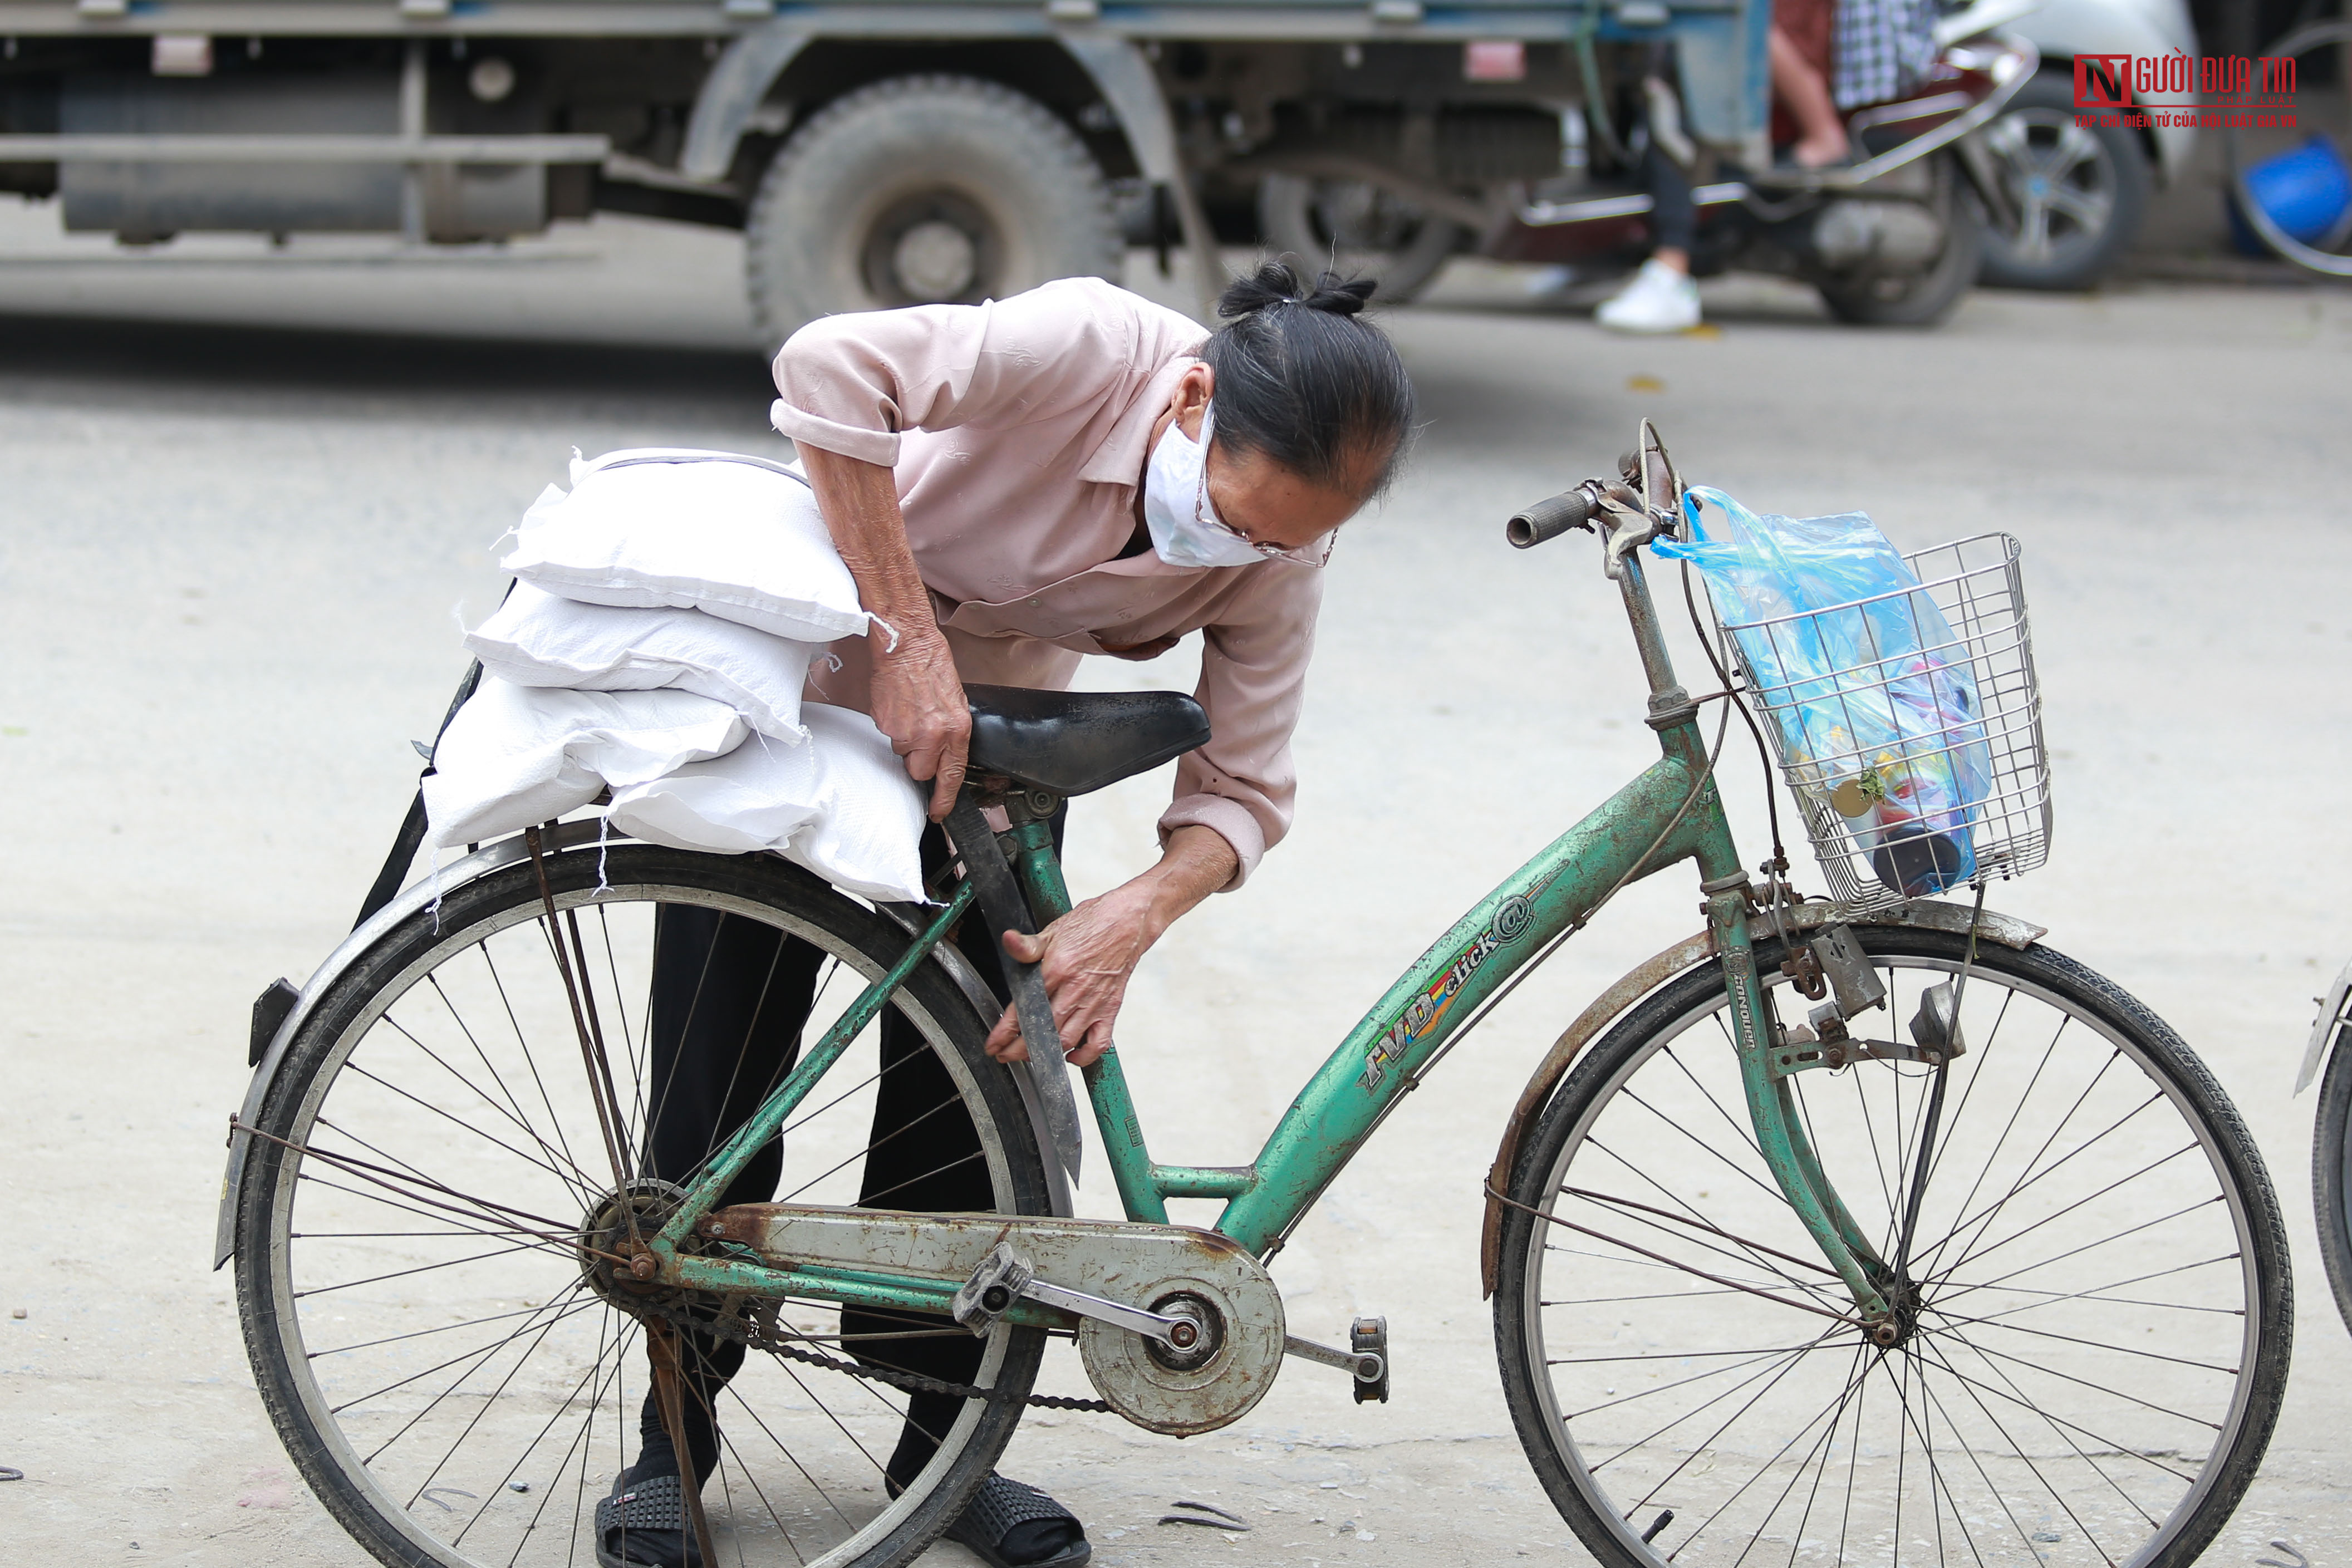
{"type": "Point", "coordinates": [840, 805]}
{"type": "Point", "coordinates": [519, 755]}
{"type": "Point", "coordinates": [540, 639]}
{"type": "Point", "coordinates": [737, 537]}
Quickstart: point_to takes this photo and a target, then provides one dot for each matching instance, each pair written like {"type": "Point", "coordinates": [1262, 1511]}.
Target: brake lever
{"type": "Point", "coordinates": [1628, 526]}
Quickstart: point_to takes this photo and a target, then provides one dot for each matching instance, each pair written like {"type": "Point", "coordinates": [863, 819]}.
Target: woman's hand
{"type": "Point", "coordinates": [919, 703]}
{"type": "Point", "coordinates": [1088, 956]}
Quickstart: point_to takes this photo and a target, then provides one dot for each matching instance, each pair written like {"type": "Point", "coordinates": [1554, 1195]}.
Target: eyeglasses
{"type": "Point", "coordinates": [1315, 552]}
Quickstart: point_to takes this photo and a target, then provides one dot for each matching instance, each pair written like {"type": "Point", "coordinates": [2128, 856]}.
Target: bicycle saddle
{"type": "Point", "coordinates": [1071, 743]}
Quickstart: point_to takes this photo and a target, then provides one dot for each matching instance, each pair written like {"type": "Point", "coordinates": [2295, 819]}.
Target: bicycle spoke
{"type": "Point", "coordinates": [2037, 1165]}
{"type": "Point", "coordinates": [530, 1057]}
{"type": "Point", "coordinates": [513, 1110]}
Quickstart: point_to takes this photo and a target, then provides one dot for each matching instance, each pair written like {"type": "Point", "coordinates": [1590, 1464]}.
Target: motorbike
{"type": "Point", "coordinates": [1893, 238]}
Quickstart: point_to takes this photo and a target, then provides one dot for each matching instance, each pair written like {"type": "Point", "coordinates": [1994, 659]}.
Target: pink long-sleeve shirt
{"type": "Point", "coordinates": [1018, 431]}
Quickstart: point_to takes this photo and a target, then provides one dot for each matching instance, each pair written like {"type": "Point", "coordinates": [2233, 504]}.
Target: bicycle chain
{"type": "Point", "coordinates": [731, 1324]}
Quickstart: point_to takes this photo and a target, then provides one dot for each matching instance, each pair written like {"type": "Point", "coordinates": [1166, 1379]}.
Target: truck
{"type": "Point", "coordinates": [872, 152]}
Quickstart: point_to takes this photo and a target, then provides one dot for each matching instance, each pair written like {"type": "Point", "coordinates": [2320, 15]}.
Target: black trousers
{"type": "Point", "coordinates": [729, 999]}
{"type": "Point", "coordinates": [1674, 218]}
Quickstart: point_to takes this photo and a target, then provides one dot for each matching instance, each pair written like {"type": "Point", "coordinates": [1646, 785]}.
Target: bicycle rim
{"type": "Point", "coordinates": [455, 1388]}
{"type": "Point", "coordinates": [2098, 1332]}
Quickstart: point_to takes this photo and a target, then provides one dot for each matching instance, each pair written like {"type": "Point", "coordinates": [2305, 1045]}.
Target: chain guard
{"type": "Point", "coordinates": [752, 1321]}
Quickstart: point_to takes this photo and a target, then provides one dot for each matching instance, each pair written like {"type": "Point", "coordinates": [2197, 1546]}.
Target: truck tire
{"type": "Point", "coordinates": [924, 189]}
{"type": "Point", "coordinates": [1358, 230]}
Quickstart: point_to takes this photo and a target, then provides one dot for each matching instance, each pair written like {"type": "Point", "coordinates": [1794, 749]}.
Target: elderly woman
{"type": "Point", "coordinates": [1015, 486]}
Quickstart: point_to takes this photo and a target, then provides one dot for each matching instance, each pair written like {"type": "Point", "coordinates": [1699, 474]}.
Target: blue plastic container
{"type": "Point", "coordinates": [2307, 193]}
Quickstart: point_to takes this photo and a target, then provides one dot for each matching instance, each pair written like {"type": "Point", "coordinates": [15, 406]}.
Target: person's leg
{"type": "Point", "coordinates": [925, 1154]}
{"type": "Point", "coordinates": [1821, 133]}
{"type": "Point", "coordinates": [728, 996]}
{"type": "Point", "coordinates": [1660, 298]}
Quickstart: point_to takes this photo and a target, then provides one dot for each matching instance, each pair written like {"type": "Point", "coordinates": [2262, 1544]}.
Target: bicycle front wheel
{"type": "Point", "coordinates": [2331, 1172]}
{"type": "Point", "coordinates": [2094, 1314]}
{"type": "Point", "coordinates": [429, 1215]}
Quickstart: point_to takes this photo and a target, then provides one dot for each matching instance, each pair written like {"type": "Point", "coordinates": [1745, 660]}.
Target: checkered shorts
{"type": "Point", "coordinates": [1883, 48]}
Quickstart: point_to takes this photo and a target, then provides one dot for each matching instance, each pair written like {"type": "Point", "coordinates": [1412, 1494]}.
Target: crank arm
{"type": "Point", "coordinates": [1364, 1366]}
{"type": "Point", "coordinates": [1006, 1277]}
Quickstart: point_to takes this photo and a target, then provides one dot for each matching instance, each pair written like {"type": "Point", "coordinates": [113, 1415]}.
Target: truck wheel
{"type": "Point", "coordinates": [1925, 297]}
{"type": "Point", "coordinates": [924, 189]}
{"type": "Point", "coordinates": [1356, 229]}
{"type": "Point", "coordinates": [2079, 193]}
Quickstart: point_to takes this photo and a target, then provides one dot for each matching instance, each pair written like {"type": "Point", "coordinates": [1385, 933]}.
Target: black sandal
{"type": "Point", "coordinates": [643, 1524]}
{"type": "Point", "coordinates": [1008, 1514]}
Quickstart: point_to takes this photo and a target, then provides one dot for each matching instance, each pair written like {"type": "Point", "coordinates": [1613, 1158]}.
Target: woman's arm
{"type": "Point", "coordinates": [1089, 953]}
{"type": "Point", "coordinates": [918, 701]}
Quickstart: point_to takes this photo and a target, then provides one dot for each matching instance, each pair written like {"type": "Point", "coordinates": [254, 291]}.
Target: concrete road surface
{"type": "Point", "coordinates": [234, 558]}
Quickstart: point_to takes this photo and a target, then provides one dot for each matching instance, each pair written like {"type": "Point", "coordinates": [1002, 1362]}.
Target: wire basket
{"type": "Point", "coordinates": [1975, 654]}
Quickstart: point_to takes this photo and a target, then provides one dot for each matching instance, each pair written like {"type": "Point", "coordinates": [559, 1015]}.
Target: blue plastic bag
{"type": "Point", "coordinates": [1871, 693]}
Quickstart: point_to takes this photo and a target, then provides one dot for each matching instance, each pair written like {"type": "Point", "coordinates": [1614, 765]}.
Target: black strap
{"type": "Point", "coordinates": [411, 837]}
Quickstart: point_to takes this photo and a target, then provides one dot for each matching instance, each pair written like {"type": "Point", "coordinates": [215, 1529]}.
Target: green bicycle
{"type": "Point", "coordinates": [1851, 1229]}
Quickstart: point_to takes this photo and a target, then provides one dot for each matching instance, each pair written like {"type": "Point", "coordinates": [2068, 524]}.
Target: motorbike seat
{"type": "Point", "coordinates": [1071, 743]}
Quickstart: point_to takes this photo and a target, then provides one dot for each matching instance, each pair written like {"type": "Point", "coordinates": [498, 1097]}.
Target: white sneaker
{"type": "Point", "coordinates": [1659, 299]}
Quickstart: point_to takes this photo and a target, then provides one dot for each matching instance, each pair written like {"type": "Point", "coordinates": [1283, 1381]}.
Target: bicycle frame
{"type": "Point", "coordinates": [1670, 813]}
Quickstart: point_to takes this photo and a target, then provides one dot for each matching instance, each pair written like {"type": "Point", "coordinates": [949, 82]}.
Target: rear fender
{"type": "Point", "coordinates": [480, 863]}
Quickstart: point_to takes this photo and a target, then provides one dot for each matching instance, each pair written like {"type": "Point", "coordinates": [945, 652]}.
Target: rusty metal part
{"type": "Point", "coordinates": [1006, 909]}
{"type": "Point", "coordinates": [1109, 1259]}
{"type": "Point", "coordinates": [1202, 1391]}
{"type": "Point", "coordinates": [1647, 977]}
{"type": "Point", "coordinates": [615, 1261]}
{"type": "Point", "coordinates": [1006, 1277]}
{"type": "Point", "coordinates": [669, 1400]}
{"type": "Point", "coordinates": [571, 964]}
{"type": "Point", "coordinates": [755, 1324]}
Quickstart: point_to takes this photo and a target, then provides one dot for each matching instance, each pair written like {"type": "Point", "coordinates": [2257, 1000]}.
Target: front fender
{"type": "Point", "coordinates": [1688, 954]}
{"type": "Point", "coordinates": [2323, 1029]}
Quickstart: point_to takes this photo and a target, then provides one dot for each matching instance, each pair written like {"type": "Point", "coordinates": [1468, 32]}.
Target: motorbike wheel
{"type": "Point", "coordinates": [1920, 298]}
{"type": "Point", "coordinates": [2078, 193]}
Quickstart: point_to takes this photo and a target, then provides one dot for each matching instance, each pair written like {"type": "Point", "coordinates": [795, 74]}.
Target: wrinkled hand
{"type": "Point", "coordinates": [1087, 956]}
{"type": "Point", "coordinates": [919, 703]}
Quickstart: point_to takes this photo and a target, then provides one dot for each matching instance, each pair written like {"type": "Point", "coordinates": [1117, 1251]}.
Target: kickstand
{"type": "Point", "coordinates": [661, 1344]}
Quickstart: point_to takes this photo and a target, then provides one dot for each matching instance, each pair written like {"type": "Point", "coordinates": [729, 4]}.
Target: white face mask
{"type": "Point", "coordinates": [1185, 527]}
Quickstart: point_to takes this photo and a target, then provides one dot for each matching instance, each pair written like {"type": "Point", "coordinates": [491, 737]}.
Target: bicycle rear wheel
{"type": "Point", "coordinates": [419, 1314]}
{"type": "Point", "coordinates": [2096, 1306]}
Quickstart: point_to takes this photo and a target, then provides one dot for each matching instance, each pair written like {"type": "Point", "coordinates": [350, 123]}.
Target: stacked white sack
{"type": "Point", "coordinates": [539, 639]}
{"type": "Point", "coordinates": [733, 537]}
{"type": "Point", "coordinates": [519, 755]}
{"type": "Point", "coordinates": [841, 806]}
{"type": "Point", "coordinates": [669, 603]}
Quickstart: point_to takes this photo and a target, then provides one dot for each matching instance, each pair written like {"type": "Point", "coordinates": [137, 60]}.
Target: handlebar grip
{"type": "Point", "coordinates": [1548, 520]}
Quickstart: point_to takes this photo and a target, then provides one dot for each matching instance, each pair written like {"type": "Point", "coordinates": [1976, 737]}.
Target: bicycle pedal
{"type": "Point", "coordinates": [1370, 1337]}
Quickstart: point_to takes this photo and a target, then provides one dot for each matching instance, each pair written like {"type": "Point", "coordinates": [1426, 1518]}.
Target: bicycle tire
{"type": "Point", "coordinates": [1658, 1474]}
{"type": "Point", "coordinates": [2331, 1172]}
{"type": "Point", "coordinates": [420, 1473]}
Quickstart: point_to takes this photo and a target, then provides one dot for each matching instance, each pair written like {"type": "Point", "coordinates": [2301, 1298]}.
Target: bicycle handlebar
{"type": "Point", "coordinates": [1550, 518]}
